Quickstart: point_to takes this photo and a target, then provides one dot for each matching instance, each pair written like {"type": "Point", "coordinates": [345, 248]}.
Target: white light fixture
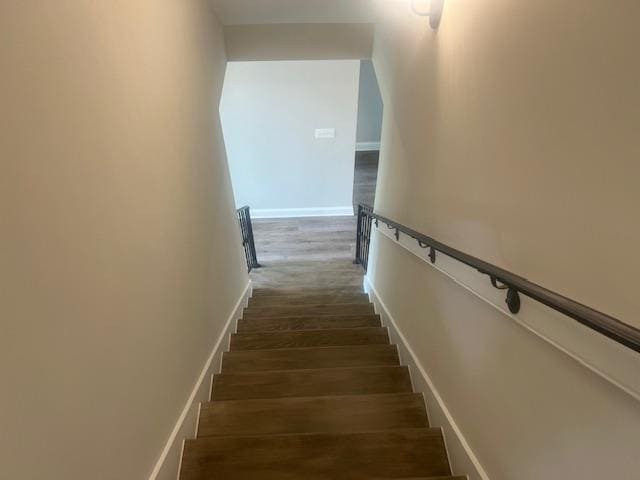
{"type": "Point", "coordinates": [429, 8]}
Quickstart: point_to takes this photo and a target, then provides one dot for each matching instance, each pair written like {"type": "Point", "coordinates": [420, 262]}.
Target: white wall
{"type": "Point", "coordinates": [369, 107]}
{"type": "Point", "coordinates": [270, 111]}
{"type": "Point", "coordinates": [119, 249]}
{"type": "Point", "coordinates": [299, 41]}
{"type": "Point", "coordinates": [511, 133]}
{"type": "Point", "coordinates": [255, 12]}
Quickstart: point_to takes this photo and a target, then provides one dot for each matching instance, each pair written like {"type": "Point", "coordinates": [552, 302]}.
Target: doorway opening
{"type": "Point", "coordinates": [302, 139]}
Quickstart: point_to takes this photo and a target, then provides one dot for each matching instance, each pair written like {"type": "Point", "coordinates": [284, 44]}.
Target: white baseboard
{"type": "Point", "coordinates": [302, 212]}
{"type": "Point", "coordinates": [462, 458]}
{"type": "Point", "coordinates": [367, 146]}
{"type": "Point", "coordinates": [167, 466]}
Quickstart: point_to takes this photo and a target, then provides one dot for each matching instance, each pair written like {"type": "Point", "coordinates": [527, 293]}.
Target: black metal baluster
{"type": "Point", "coordinates": [358, 258]}
{"type": "Point", "coordinates": [252, 245]}
{"type": "Point", "coordinates": [365, 257]}
{"type": "Point", "coordinates": [248, 243]}
{"type": "Point", "coordinates": [363, 235]}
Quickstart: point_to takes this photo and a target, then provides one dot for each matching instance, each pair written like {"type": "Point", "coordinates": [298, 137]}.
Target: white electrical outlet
{"type": "Point", "coordinates": [325, 132]}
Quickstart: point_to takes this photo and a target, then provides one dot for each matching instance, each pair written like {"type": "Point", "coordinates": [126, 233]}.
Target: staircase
{"type": "Point", "coordinates": [312, 389]}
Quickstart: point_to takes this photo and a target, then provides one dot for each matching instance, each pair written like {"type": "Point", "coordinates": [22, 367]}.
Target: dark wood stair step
{"type": "Point", "coordinates": [320, 456]}
{"type": "Point", "coordinates": [306, 299]}
{"type": "Point", "coordinates": [301, 310]}
{"type": "Point", "coordinates": [308, 323]}
{"type": "Point", "coordinates": [310, 383]}
{"type": "Point", "coordinates": [309, 358]}
{"type": "Point", "coordinates": [309, 338]}
{"type": "Point", "coordinates": [333, 414]}
{"type": "Point", "coordinates": [267, 291]}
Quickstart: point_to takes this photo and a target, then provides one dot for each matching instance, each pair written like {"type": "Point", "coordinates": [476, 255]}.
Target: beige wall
{"type": "Point", "coordinates": [299, 41]}
{"type": "Point", "coordinates": [119, 251]}
{"type": "Point", "coordinates": [510, 133]}
{"type": "Point", "coordinates": [516, 130]}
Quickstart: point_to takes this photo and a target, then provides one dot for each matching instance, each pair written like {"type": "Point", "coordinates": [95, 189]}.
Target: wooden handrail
{"type": "Point", "coordinates": [515, 285]}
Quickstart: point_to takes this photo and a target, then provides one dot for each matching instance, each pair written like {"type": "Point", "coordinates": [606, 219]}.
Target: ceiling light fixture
{"type": "Point", "coordinates": [429, 8]}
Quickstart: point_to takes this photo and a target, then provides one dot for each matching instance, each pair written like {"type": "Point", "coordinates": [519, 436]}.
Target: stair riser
{"type": "Point", "coordinates": [308, 310]}
{"type": "Point", "coordinates": [325, 357]}
{"type": "Point", "coordinates": [377, 455]}
{"type": "Point", "coordinates": [267, 292]}
{"type": "Point", "coordinates": [345, 414]}
{"type": "Point", "coordinates": [301, 339]}
{"type": "Point", "coordinates": [308, 323]}
{"type": "Point", "coordinates": [290, 300]}
{"type": "Point", "coordinates": [306, 383]}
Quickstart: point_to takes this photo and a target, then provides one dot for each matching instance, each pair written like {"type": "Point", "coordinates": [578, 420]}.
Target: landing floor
{"type": "Point", "coordinates": [306, 252]}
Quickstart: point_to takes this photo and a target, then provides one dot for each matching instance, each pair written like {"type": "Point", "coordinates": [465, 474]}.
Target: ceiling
{"type": "Point", "coordinates": [238, 12]}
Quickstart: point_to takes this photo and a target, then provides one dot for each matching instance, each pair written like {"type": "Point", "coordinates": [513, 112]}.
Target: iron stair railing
{"type": "Point", "coordinates": [363, 235]}
{"type": "Point", "coordinates": [246, 229]}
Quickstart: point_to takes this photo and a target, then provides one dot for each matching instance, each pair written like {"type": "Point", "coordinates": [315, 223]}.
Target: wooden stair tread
{"type": "Point", "coordinates": [418, 478]}
{"type": "Point", "coordinates": [334, 414]}
{"type": "Point", "coordinates": [269, 291]}
{"type": "Point", "coordinates": [302, 310]}
{"type": "Point", "coordinates": [309, 338]}
{"type": "Point", "coordinates": [309, 358]}
{"type": "Point", "coordinates": [306, 299]}
{"type": "Point", "coordinates": [308, 323]}
{"type": "Point", "coordinates": [318, 456]}
{"type": "Point", "coordinates": [316, 382]}
{"type": "Point", "coordinates": [311, 388]}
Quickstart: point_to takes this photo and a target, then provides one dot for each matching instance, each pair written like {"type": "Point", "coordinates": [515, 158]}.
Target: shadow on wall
{"type": "Point", "coordinates": [370, 108]}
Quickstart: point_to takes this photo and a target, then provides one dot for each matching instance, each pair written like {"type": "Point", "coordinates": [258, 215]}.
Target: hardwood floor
{"type": "Point", "coordinates": [305, 239]}
{"type": "Point", "coordinates": [366, 176]}
{"type": "Point", "coordinates": [300, 253]}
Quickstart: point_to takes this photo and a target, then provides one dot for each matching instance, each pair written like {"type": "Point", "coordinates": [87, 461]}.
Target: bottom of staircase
{"type": "Point", "coordinates": [313, 391]}
{"type": "Point", "coordinates": [401, 453]}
